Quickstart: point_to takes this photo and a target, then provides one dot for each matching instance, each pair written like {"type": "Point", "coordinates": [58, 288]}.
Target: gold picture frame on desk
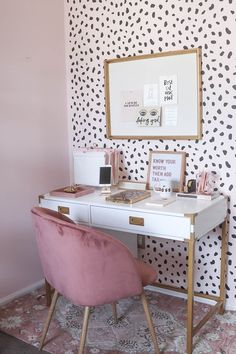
{"type": "Point", "coordinates": [154, 96]}
{"type": "Point", "coordinates": [168, 165]}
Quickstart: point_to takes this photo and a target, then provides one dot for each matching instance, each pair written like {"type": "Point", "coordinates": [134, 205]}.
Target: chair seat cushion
{"type": "Point", "coordinates": [147, 273]}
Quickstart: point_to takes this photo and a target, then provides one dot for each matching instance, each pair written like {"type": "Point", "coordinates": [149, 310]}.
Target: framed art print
{"type": "Point", "coordinates": [154, 96]}
{"type": "Point", "coordinates": [166, 165]}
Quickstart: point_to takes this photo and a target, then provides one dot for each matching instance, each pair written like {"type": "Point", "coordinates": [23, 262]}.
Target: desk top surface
{"type": "Point", "coordinates": [178, 207]}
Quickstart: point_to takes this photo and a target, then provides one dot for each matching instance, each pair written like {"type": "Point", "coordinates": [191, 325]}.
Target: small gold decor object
{"type": "Point", "coordinates": [70, 189]}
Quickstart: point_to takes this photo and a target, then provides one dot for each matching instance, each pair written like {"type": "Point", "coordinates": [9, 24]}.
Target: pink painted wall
{"type": "Point", "coordinates": [34, 155]}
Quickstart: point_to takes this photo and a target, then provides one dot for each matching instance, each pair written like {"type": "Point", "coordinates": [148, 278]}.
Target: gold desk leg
{"type": "Point", "coordinates": [191, 251]}
{"type": "Point", "coordinates": [223, 267]}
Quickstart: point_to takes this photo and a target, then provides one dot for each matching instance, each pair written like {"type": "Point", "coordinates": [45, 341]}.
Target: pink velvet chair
{"type": "Point", "coordinates": [88, 267]}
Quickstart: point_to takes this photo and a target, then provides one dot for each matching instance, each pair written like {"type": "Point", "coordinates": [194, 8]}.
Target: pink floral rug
{"type": "Point", "coordinates": [24, 318]}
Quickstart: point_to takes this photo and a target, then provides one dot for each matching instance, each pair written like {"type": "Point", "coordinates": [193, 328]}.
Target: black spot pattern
{"type": "Point", "coordinates": [100, 29]}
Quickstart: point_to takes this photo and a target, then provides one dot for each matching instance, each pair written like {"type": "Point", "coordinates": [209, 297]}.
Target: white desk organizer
{"type": "Point", "coordinates": [87, 163]}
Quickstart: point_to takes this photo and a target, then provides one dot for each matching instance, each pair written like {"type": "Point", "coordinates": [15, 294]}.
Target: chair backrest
{"type": "Point", "coordinates": [87, 266]}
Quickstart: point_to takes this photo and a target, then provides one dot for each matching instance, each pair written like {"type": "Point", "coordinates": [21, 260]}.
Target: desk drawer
{"type": "Point", "coordinates": [137, 222]}
{"type": "Point", "coordinates": [77, 212]}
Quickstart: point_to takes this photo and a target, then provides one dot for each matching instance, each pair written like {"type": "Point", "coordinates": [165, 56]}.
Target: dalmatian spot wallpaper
{"type": "Point", "coordinates": [100, 29]}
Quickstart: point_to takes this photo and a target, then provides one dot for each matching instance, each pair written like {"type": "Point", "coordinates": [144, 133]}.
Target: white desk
{"type": "Point", "coordinates": [184, 220]}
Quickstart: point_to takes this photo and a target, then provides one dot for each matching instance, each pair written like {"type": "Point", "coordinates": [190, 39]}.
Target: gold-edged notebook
{"type": "Point", "coordinates": [129, 196]}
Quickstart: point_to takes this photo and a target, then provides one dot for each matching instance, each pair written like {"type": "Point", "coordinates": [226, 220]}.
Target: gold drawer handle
{"type": "Point", "coordinates": [63, 210]}
{"type": "Point", "coordinates": [136, 221]}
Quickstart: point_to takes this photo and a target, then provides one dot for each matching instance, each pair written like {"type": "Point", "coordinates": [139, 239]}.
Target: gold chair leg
{"type": "Point", "coordinates": [48, 320]}
{"type": "Point", "coordinates": [84, 330]}
{"type": "Point", "coordinates": [48, 291]}
{"type": "Point", "coordinates": [114, 311]}
{"type": "Point", "coordinates": [150, 323]}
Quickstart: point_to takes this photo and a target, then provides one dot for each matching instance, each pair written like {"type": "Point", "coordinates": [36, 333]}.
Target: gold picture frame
{"type": "Point", "coordinates": [154, 96]}
{"type": "Point", "coordinates": [169, 165]}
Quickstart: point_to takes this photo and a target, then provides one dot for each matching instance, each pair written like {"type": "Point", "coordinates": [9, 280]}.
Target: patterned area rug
{"type": "Point", "coordinates": [24, 317]}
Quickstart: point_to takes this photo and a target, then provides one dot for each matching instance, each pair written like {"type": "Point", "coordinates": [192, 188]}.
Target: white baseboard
{"type": "Point", "coordinates": [228, 306]}
{"type": "Point", "coordinates": [21, 292]}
